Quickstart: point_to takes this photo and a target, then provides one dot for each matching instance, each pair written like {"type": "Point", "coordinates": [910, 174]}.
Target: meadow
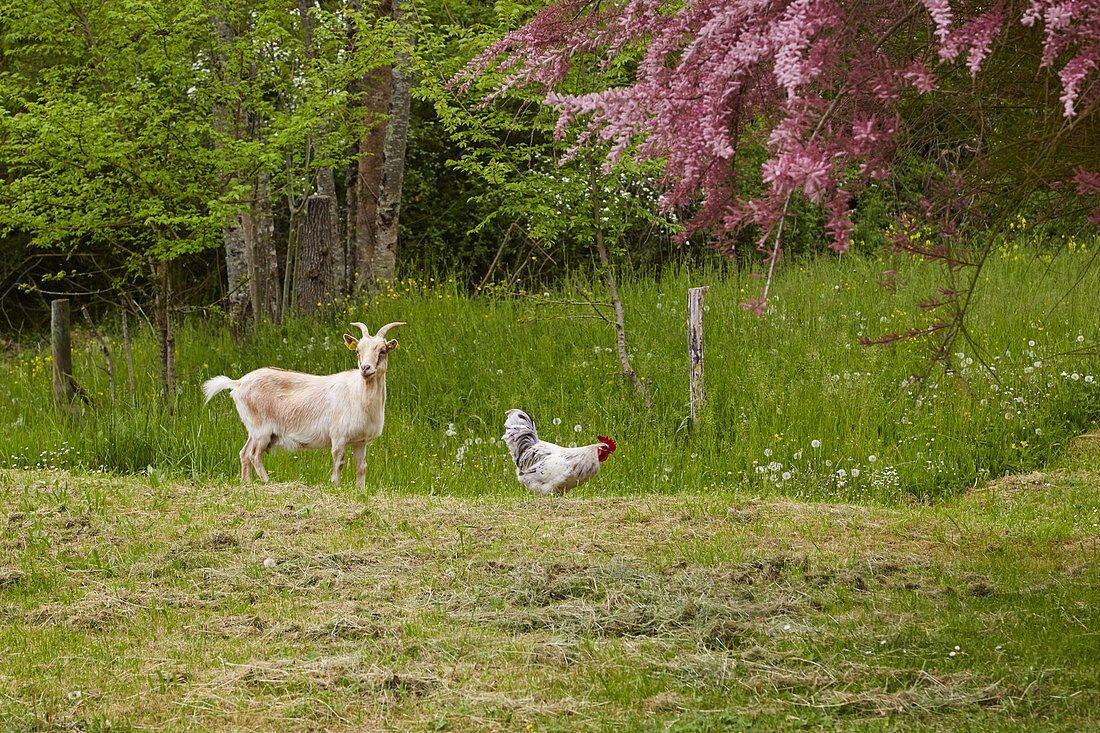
{"type": "Point", "coordinates": [795, 405]}
{"type": "Point", "coordinates": [835, 544]}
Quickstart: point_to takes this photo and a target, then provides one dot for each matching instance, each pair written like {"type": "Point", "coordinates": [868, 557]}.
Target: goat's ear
{"type": "Point", "coordinates": [391, 345]}
{"type": "Point", "coordinates": [351, 341]}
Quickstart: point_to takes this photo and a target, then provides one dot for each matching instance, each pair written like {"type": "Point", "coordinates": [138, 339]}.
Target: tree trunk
{"type": "Point", "coordinates": [350, 238]}
{"type": "Point", "coordinates": [326, 186]}
{"type": "Point", "coordinates": [384, 265]}
{"type": "Point", "coordinates": [314, 283]}
{"type": "Point", "coordinates": [129, 357]}
{"type": "Point", "coordinates": [62, 355]}
{"type": "Point", "coordinates": [369, 177]}
{"type": "Point", "coordinates": [613, 290]}
{"type": "Point", "coordinates": [166, 339]}
{"type": "Point", "coordinates": [236, 267]}
{"type": "Point", "coordinates": [326, 179]}
{"type": "Point", "coordinates": [259, 242]}
{"type": "Point", "coordinates": [227, 122]}
{"type": "Point", "coordinates": [376, 101]}
{"type": "Point", "coordinates": [267, 265]}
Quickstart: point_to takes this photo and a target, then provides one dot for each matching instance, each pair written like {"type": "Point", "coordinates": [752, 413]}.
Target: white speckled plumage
{"type": "Point", "coordinates": [545, 468]}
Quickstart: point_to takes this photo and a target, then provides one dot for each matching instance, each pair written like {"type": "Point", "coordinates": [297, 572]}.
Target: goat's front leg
{"type": "Point", "coordinates": [359, 453]}
{"type": "Point", "coordinates": [337, 461]}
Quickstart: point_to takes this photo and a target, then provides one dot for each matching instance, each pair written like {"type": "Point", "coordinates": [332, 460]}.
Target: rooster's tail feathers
{"type": "Point", "coordinates": [519, 433]}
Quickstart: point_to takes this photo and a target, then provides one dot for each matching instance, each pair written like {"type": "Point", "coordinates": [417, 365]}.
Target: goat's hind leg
{"type": "Point", "coordinates": [246, 461]}
{"type": "Point", "coordinates": [259, 447]}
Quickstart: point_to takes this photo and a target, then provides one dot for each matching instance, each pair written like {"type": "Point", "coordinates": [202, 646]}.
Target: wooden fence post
{"type": "Point", "coordinates": [64, 386]}
{"type": "Point", "coordinates": [695, 351]}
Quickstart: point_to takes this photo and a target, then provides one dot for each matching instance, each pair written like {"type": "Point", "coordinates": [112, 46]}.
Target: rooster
{"type": "Point", "coordinates": [549, 469]}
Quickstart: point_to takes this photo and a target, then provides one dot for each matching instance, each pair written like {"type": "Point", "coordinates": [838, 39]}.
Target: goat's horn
{"type": "Point", "coordinates": [382, 331]}
{"type": "Point", "coordinates": [363, 328]}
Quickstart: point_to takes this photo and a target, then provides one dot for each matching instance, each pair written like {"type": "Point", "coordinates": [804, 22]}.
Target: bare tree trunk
{"type": "Point", "coordinates": [376, 100]}
{"type": "Point", "coordinates": [613, 290]}
{"type": "Point", "coordinates": [267, 265]}
{"type": "Point", "coordinates": [259, 241]}
{"type": "Point", "coordinates": [326, 179]}
{"type": "Point", "coordinates": [236, 267]}
{"type": "Point", "coordinates": [369, 179]}
{"type": "Point", "coordinates": [314, 286]}
{"type": "Point", "coordinates": [351, 228]}
{"type": "Point", "coordinates": [290, 264]}
{"type": "Point", "coordinates": [326, 186]}
{"type": "Point", "coordinates": [384, 265]}
{"type": "Point", "coordinates": [129, 357]}
{"type": "Point", "coordinates": [496, 257]}
{"type": "Point", "coordinates": [170, 336]}
{"type": "Point", "coordinates": [227, 122]}
{"type": "Point", "coordinates": [350, 239]}
{"type": "Point", "coordinates": [248, 229]}
{"type": "Point", "coordinates": [162, 314]}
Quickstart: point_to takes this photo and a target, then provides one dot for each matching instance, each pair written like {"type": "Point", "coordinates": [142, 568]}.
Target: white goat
{"type": "Point", "coordinates": [292, 410]}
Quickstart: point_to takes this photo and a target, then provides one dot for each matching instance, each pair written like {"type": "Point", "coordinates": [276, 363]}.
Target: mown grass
{"type": "Point", "coordinates": [132, 603]}
{"type": "Point", "coordinates": [796, 406]}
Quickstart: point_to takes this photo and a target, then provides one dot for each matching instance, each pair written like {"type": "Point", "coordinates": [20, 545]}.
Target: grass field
{"type": "Point", "coordinates": [834, 545]}
{"type": "Point", "coordinates": [130, 603]}
{"type": "Point", "coordinates": [796, 407]}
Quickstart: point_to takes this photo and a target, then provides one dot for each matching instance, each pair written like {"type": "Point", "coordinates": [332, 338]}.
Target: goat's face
{"type": "Point", "coordinates": [371, 351]}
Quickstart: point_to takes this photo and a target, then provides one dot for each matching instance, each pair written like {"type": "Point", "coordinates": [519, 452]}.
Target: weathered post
{"type": "Point", "coordinates": [63, 383]}
{"type": "Point", "coordinates": [129, 356]}
{"type": "Point", "coordinates": [695, 351]}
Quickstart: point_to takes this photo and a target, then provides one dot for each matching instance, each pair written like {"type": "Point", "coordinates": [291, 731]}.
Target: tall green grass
{"type": "Point", "coordinates": [795, 405]}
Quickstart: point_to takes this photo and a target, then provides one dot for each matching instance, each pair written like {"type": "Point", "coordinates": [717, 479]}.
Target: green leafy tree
{"type": "Point", "coordinates": [133, 130]}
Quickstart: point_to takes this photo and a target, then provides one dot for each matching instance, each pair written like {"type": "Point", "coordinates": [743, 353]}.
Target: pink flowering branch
{"type": "Point", "coordinates": [817, 82]}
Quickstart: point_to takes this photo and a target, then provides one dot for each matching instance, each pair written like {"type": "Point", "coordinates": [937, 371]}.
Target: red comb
{"type": "Point", "coordinates": [610, 443]}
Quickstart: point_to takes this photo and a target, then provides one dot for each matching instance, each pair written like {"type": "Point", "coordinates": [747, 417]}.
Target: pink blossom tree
{"type": "Point", "coordinates": [825, 87]}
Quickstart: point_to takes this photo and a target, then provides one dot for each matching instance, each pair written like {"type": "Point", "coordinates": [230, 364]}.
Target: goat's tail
{"type": "Point", "coordinates": [212, 386]}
